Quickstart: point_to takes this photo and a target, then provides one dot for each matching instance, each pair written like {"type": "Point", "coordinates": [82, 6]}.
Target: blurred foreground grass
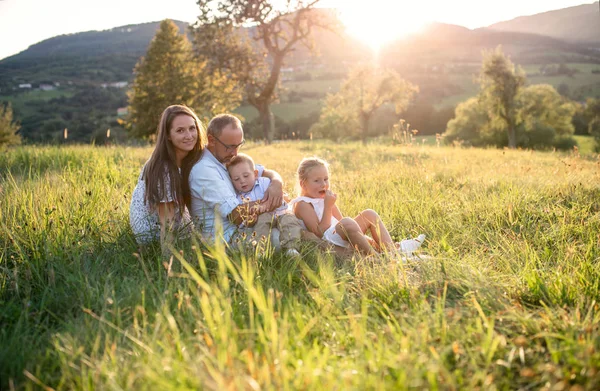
{"type": "Point", "coordinates": [508, 298]}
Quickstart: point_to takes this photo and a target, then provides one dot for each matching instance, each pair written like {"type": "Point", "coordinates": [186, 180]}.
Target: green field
{"type": "Point", "coordinates": [580, 86]}
{"type": "Point", "coordinates": [287, 110]}
{"type": "Point", "coordinates": [320, 86]}
{"type": "Point", "coordinates": [585, 144]}
{"type": "Point", "coordinates": [21, 101]}
{"type": "Point", "coordinates": [507, 298]}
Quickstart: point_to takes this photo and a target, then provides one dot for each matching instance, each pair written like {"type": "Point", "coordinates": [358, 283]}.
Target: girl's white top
{"type": "Point", "coordinates": [319, 206]}
{"type": "Point", "coordinates": [144, 219]}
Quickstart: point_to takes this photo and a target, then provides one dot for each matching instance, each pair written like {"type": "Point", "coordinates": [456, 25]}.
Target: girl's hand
{"type": "Point", "coordinates": [330, 198]}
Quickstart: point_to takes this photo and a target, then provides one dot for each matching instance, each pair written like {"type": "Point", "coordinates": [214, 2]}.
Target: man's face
{"type": "Point", "coordinates": [227, 144]}
{"type": "Point", "coordinates": [243, 177]}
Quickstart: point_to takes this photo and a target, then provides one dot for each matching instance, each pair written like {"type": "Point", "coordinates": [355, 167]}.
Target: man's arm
{"type": "Point", "coordinates": [274, 195]}
{"type": "Point", "coordinates": [211, 190]}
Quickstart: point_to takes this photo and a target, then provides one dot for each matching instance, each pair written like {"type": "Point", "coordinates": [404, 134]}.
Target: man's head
{"type": "Point", "coordinates": [242, 172]}
{"type": "Point", "coordinates": [225, 137]}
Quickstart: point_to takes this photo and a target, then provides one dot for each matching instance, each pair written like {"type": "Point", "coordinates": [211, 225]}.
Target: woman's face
{"type": "Point", "coordinates": [316, 183]}
{"type": "Point", "coordinates": [183, 134]}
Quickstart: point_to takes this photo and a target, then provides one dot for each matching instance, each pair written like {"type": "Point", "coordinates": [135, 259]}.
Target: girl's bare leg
{"type": "Point", "coordinates": [349, 230]}
{"type": "Point", "coordinates": [370, 222]}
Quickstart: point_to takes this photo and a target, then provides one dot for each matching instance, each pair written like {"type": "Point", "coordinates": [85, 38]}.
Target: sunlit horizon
{"type": "Point", "coordinates": [380, 22]}
{"type": "Point", "coordinates": [376, 29]}
{"type": "Point", "coordinates": [374, 22]}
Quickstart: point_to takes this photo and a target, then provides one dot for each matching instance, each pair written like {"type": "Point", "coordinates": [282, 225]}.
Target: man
{"type": "Point", "coordinates": [214, 202]}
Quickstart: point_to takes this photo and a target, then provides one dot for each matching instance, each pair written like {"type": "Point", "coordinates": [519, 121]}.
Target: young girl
{"type": "Point", "coordinates": [317, 209]}
{"type": "Point", "coordinates": [158, 204]}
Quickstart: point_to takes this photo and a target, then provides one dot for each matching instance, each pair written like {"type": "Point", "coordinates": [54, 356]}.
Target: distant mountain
{"type": "Point", "coordinates": [83, 58]}
{"type": "Point", "coordinates": [444, 44]}
{"type": "Point", "coordinates": [574, 24]}
{"type": "Point", "coordinates": [96, 57]}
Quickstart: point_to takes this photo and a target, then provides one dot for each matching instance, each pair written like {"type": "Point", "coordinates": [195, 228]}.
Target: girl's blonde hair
{"type": "Point", "coordinates": [306, 165]}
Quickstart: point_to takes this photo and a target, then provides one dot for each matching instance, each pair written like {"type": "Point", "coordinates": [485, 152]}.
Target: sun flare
{"type": "Point", "coordinates": [383, 22]}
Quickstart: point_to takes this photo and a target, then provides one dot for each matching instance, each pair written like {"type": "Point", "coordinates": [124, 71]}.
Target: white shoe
{"type": "Point", "coordinates": [292, 253]}
{"type": "Point", "coordinates": [408, 246]}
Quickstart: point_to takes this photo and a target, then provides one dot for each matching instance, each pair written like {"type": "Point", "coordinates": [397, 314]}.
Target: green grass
{"type": "Point", "coordinates": [288, 111]}
{"type": "Point", "coordinates": [509, 298]}
{"type": "Point", "coordinates": [21, 101]}
{"type": "Point", "coordinates": [585, 144]}
{"type": "Point", "coordinates": [320, 86]}
{"type": "Point", "coordinates": [581, 85]}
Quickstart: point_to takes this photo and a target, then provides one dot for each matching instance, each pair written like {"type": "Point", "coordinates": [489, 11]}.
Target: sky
{"type": "Point", "coordinates": [26, 22]}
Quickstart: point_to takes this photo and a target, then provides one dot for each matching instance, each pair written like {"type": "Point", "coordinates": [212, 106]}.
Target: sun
{"type": "Point", "coordinates": [382, 21]}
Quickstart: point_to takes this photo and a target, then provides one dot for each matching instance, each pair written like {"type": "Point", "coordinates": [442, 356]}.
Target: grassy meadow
{"type": "Point", "coordinates": [508, 297]}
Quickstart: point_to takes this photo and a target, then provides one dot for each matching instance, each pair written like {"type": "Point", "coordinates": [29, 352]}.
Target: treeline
{"type": "Point", "coordinates": [80, 71]}
{"type": "Point", "coordinates": [87, 115]}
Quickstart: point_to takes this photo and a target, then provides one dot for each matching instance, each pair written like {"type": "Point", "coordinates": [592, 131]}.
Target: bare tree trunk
{"type": "Point", "coordinates": [512, 136]}
{"type": "Point", "coordinates": [263, 101]}
{"type": "Point", "coordinates": [268, 122]}
{"type": "Point", "coordinates": [364, 123]}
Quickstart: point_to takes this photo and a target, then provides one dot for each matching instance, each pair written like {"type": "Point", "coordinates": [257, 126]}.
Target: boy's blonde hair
{"type": "Point", "coordinates": [239, 159]}
{"type": "Point", "coordinates": [306, 166]}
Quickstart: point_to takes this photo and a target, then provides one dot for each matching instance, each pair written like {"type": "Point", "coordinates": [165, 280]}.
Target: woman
{"type": "Point", "coordinates": [158, 205]}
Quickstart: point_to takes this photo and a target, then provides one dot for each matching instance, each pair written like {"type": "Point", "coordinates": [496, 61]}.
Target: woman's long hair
{"type": "Point", "coordinates": [161, 169]}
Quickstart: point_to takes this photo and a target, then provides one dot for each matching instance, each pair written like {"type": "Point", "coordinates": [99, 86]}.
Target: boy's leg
{"type": "Point", "coordinates": [290, 230]}
{"type": "Point", "coordinates": [262, 228]}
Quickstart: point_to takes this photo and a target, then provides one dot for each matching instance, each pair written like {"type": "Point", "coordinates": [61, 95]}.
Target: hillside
{"type": "Point", "coordinates": [95, 57]}
{"type": "Point", "coordinates": [574, 24]}
{"type": "Point", "coordinates": [84, 58]}
{"type": "Point", "coordinates": [65, 74]}
{"type": "Point", "coordinates": [449, 44]}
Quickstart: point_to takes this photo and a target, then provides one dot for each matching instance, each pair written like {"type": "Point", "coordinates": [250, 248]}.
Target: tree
{"type": "Point", "coordinates": [472, 123]}
{"type": "Point", "coordinates": [592, 114]}
{"type": "Point", "coordinates": [594, 128]}
{"type": "Point", "coordinates": [8, 128]}
{"type": "Point", "coordinates": [544, 117]}
{"type": "Point", "coordinates": [365, 90]}
{"type": "Point", "coordinates": [167, 75]}
{"type": "Point", "coordinates": [500, 85]}
{"type": "Point", "coordinates": [276, 31]}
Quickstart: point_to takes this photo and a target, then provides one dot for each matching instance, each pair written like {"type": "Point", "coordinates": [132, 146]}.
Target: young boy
{"type": "Point", "coordinates": [251, 187]}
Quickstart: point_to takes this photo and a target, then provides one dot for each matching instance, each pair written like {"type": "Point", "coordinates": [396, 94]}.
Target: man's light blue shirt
{"type": "Point", "coordinates": [213, 196]}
